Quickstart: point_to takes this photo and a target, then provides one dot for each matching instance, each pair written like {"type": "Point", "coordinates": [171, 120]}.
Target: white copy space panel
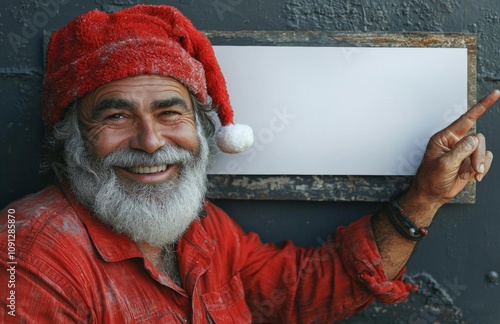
{"type": "Point", "coordinates": [340, 111]}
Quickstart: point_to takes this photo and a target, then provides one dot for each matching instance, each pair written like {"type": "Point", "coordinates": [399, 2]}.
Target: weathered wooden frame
{"type": "Point", "coordinates": [327, 187]}
{"type": "Point", "coordinates": [335, 188]}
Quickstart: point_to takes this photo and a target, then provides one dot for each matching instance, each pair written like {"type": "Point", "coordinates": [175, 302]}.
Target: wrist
{"type": "Point", "coordinates": [418, 207]}
{"type": "Point", "coordinates": [402, 223]}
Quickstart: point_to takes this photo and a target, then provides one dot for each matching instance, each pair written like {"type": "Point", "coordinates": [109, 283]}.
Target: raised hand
{"type": "Point", "coordinates": [453, 158]}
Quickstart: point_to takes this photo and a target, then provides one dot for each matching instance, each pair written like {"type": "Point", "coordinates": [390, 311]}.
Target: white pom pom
{"type": "Point", "coordinates": [234, 138]}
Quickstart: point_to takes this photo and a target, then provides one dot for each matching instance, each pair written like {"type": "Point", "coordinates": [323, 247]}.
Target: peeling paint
{"type": "Point", "coordinates": [438, 298]}
{"type": "Point", "coordinates": [315, 188]}
{"type": "Point", "coordinates": [432, 303]}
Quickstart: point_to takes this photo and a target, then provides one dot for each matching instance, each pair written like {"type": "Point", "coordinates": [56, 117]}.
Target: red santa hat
{"type": "Point", "coordinates": [97, 48]}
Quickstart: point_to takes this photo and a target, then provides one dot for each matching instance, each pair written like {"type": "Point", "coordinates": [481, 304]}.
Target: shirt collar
{"type": "Point", "coordinates": [111, 246]}
{"type": "Point", "coordinates": [114, 247]}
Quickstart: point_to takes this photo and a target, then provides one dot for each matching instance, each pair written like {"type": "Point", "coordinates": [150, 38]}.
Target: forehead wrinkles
{"type": "Point", "coordinates": [138, 90]}
{"type": "Point", "coordinates": [142, 86]}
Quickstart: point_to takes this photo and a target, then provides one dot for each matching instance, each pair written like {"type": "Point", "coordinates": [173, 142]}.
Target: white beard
{"type": "Point", "coordinates": [158, 214]}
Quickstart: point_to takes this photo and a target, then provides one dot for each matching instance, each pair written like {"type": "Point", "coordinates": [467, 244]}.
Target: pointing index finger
{"type": "Point", "coordinates": [462, 125]}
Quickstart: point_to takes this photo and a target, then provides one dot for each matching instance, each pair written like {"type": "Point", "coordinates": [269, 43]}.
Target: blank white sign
{"type": "Point", "coordinates": [340, 111]}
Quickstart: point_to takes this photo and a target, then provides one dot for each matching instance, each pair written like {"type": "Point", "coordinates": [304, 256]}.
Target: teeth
{"type": "Point", "coordinates": [146, 169]}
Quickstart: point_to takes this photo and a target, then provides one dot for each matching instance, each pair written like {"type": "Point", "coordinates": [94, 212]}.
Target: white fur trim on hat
{"type": "Point", "coordinates": [234, 138]}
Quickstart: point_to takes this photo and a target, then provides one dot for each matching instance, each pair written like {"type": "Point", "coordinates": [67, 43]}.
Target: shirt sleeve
{"type": "Point", "coordinates": [317, 285]}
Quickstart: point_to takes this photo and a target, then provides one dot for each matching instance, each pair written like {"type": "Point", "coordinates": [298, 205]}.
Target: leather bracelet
{"type": "Point", "coordinates": [402, 223]}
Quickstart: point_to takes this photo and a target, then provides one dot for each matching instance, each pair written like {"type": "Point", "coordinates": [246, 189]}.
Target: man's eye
{"type": "Point", "coordinates": [169, 113]}
{"type": "Point", "coordinates": [115, 116]}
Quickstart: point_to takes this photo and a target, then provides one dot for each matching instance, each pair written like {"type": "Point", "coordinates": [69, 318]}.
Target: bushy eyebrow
{"type": "Point", "coordinates": [170, 102]}
{"type": "Point", "coordinates": [112, 103]}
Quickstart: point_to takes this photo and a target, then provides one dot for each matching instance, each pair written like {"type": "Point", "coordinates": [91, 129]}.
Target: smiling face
{"type": "Point", "coordinates": [143, 113]}
{"type": "Point", "coordinates": [136, 155]}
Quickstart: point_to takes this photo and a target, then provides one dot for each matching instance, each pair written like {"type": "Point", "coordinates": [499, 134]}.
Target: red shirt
{"type": "Point", "coordinates": [64, 266]}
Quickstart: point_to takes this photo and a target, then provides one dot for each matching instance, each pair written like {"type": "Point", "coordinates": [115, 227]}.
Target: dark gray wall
{"type": "Point", "coordinates": [463, 247]}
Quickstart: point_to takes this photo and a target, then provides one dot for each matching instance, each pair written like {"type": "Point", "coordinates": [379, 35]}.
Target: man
{"type": "Point", "coordinates": [126, 236]}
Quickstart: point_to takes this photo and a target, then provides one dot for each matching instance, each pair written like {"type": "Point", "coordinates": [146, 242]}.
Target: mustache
{"type": "Point", "coordinates": [128, 157]}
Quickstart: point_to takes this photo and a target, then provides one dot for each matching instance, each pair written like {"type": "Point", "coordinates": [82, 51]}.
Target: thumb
{"type": "Point", "coordinates": [464, 148]}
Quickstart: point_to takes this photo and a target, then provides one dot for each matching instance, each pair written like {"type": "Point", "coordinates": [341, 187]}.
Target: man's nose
{"type": "Point", "coordinates": [148, 136]}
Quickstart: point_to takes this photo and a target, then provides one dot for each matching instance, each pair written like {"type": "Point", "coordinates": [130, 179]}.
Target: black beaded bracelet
{"type": "Point", "coordinates": [402, 223]}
